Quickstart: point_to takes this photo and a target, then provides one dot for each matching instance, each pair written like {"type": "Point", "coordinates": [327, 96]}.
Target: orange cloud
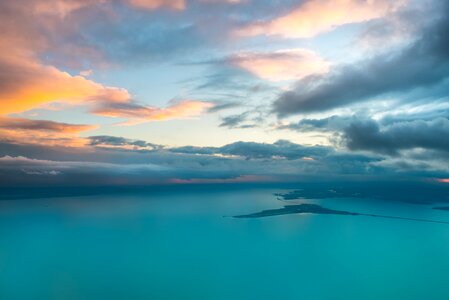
{"type": "Point", "coordinates": [49, 133]}
{"type": "Point", "coordinates": [282, 65]}
{"type": "Point", "coordinates": [26, 82]}
{"type": "Point", "coordinates": [317, 16]}
{"type": "Point", "coordinates": [140, 114]}
{"type": "Point", "coordinates": [30, 84]}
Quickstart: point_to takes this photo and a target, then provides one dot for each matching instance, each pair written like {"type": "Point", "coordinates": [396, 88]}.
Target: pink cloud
{"type": "Point", "coordinates": [292, 64]}
{"type": "Point", "coordinates": [156, 4]}
{"type": "Point", "coordinates": [317, 16]}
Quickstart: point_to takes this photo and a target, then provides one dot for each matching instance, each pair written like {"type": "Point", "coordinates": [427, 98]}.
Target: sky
{"type": "Point", "coordinates": [144, 92]}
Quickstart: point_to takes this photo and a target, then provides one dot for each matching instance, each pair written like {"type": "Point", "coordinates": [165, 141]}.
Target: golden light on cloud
{"type": "Point", "coordinates": [317, 16]}
{"type": "Point", "coordinates": [42, 132]}
{"type": "Point", "coordinates": [38, 84]}
{"type": "Point", "coordinates": [292, 64]}
{"type": "Point", "coordinates": [137, 114]}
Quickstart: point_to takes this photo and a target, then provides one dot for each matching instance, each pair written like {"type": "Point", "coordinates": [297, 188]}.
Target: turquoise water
{"type": "Point", "coordinates": [183, 245]}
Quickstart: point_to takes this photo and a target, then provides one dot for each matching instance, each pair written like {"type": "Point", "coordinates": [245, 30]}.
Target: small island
{"type": "Point", "coordinates": [296, 209]}
{"type": "Point", "coordinates": [307, 208]}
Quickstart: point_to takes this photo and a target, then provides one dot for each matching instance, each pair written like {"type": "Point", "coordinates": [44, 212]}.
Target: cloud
{"type": "Point", "coordinates": [137, 113]}
{"type": "Point", "coordinates": [332, 123]}
{"type": "Point", "coordinates": [236, 121]}
{"type": "Point", "coordinates": [220, 105]}
{"type": "Point", "coordinates": [25, 81]}
{"type": "Point", "coordinates": [27, 171]}
{"type": "Point", "coordinates": [26, 131]}
{"type": "Point", "coordinates": [155, 4]}
{"type": "Point", "coordinates": [173, 4]}
{"type": "Point", "coordinates": [424, 63]}
{"type": "Point", "coordinates": [123, 164]}
{"type": "Point", "coordinates": [106, 141]}
{"type": "Point", "coordinates": [390, 139]}
{"type": "Point", "coordinates": [317, 16]}
{"type": "Point", "coordinates": [281, 149]}
{"type": "Point", "coordinates": [61, 8]}
{"type": "Point", "coordinates": [281, 65]}
{"type": "Point", "coordinates": [41, 125]}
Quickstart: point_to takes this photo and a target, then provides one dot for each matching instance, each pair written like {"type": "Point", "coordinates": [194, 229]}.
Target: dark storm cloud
{"type": "Point", "coordinates": [425, 63]}
{"type": "Point", "coordinates": [369, 135]}
{"type": "Point", "coordinates": [388, 135]}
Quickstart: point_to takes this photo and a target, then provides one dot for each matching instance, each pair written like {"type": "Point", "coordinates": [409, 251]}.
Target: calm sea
{"type": "Point", "coordinates": [186, 245]}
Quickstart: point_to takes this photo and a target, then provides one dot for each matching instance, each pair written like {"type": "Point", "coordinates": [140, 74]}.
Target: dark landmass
{"type": "Point", "coordinates": [413, 193]}
{"type": "Point", "coordinates": [442, 208]}
{"type": "Point", "coordinates": [316, 209]}
{"type": "Point", "coordinates": [296, 209]}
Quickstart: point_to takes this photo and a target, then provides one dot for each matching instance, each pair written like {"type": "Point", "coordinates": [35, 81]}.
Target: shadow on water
{"type": "Point", "coordinates": [442, 208]}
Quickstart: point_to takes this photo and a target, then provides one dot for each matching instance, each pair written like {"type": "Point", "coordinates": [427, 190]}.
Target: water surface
{"type": "Point", "coordinates": [186, 245]}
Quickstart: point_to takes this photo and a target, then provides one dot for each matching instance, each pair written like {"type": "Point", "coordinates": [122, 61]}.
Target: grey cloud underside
{"type": "Point", "coordinates": [332, 123]}
{"type": "Point", "coordinates": [283, 160]}
{"type": "Point", "coordinates": [252, 150]}
{"type": "Point", "coordinates": [107, 140]}
{"type": "Point", "coordinates": [368, 135]}
{"type": "Point", "coordinates": [220, 106]}
{"type": "Point", "coordinates": [36, 125]}
{"type": "Point", "coordinates": [389, 135]}
{"type": "Point", "coordinates": [423, 64]}
{"type": "Point", "coordinates": [116, 160]}
{"type": "Point", "coordinates": [238, 121]}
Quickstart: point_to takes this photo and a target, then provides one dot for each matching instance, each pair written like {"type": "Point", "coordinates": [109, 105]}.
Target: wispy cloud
{"type": "Point", "coordinates": [290, 64]}
{"type": "Point", "coordinates": [136, 113]}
